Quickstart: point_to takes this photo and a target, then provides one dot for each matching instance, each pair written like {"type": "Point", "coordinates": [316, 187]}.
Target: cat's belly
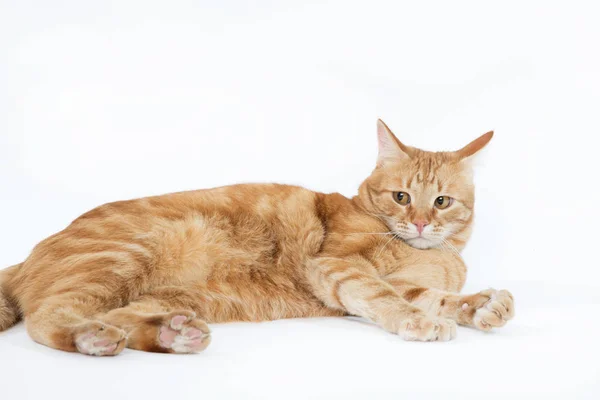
{"type": "Point", "coordinates": [258, 298]}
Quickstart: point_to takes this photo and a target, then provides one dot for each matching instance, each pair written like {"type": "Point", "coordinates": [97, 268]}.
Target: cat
{"type": "Point", "coordinates": [148, 274]}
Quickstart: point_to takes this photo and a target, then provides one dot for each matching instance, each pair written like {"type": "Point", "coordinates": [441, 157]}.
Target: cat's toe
{"type": "Point", "coordinates": [496, 311]}
{"type": "Point", "coordinates": [97, 339]}
{"type": "Point", "coordinates": [183, 333]}
{"type": "Point", "coordinates": [427, 329]}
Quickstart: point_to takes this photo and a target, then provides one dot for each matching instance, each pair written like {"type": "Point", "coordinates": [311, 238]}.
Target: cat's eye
{"type": "Point", "coordinates": [443, 202]}
{"type": "Point", "coordinates": [402, 198]}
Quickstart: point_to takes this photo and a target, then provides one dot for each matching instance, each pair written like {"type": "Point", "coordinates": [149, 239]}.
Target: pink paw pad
{"type": "Point", "coordinates": [180, 337]}
{"type": "Point", "coordinates": [92, 344]}
{"type": "Point", "coordinates": [177, 321]}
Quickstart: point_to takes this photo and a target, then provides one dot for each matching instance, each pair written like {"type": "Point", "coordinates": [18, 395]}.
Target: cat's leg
{"type": "Point", "coordinates": [162, 321]}
{"type": "Point", "coordinates": [352, 285]}
{"type": "Point", "coordinates": [65, 322]}
{"type": "Point", "coordinates": [484, 310]}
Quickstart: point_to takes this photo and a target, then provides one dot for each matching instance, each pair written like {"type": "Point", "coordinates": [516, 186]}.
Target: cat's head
{"type": "Point", "coordinates": [425, 198]}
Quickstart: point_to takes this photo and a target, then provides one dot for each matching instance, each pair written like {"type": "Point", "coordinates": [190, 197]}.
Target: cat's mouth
{"type": "Point", "coordinates": [420, 242]}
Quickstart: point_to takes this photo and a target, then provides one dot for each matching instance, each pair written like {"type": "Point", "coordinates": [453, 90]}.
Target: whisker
{"type": "Point", "coordinates": [385, 245]}
{"type": "Point", "coordinates": [370, 233]}
{"type": "Point", "coordinates": [443, 247]}
{"type": "Point", "coordinates": [463, 236]}
{"type": "Point", "coordinates": [451, 247]}
{"type": "Point", "coordinates": [382, 217]}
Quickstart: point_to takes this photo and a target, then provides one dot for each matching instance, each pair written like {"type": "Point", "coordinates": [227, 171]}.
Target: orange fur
{"type": "Point", "coordinates": [127, 273]}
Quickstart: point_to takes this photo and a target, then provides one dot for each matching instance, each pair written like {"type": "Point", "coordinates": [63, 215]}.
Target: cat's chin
{"type": "Point", "coordinates": [420, 243]}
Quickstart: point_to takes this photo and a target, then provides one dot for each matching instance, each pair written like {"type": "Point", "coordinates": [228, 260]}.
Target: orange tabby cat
{"type": "Point", "coordinates": [149, 273]}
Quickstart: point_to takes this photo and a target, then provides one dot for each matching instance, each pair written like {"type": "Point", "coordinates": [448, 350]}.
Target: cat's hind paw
{"type": "Point", "coordinates": [427, 329]}
{"type": "Point", "coordinates": [97, 339]}
{"type": "Point", "coordinates": [184, 333]}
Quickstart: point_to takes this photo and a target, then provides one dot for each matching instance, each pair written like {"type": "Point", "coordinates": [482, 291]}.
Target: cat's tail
{"type": "Point", "coordinates": [9, 311]}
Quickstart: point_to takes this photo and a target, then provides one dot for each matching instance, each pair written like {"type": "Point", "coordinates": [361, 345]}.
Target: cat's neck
{"type": "Point", "coordinates": [350, 214]}
{"type": "Point", "coordinates": [360, 204]}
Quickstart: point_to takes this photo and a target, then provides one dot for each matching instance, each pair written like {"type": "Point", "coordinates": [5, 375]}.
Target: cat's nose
{"type": "Point", "coordinates": [420, 224]}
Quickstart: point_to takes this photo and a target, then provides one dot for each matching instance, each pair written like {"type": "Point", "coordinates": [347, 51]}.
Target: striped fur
{"type": "Point", "coordinates": [148, 273]}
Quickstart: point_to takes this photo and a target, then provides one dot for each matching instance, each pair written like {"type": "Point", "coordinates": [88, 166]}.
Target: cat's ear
{"type": "Point", "coordinates": [390, 148]}
{"type": "Point", "coordinates": [467, 152]}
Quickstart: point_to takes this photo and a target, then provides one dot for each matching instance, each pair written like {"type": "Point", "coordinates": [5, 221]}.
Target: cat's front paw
{"type": "Point", "coordinates": [493, 309]}
{"type": "Point", "coordinates": [427, 329]}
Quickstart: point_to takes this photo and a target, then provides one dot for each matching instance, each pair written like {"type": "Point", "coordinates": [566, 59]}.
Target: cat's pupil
{"type": "Point", "coordinates": [440, 200]}
{"type": "Point", "coordinates": [400, 196]}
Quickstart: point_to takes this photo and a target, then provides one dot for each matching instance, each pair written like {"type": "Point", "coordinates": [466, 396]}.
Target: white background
{"type": "Point", "coordinates": [102, 101]}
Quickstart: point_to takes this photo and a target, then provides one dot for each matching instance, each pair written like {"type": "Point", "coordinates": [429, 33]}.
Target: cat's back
{"type": "Point", "coordinates": [241, 201]}
{"type": "Point", "coordinates": [284, 219]}
{"type": "Point", "coordinates": [239, 225]}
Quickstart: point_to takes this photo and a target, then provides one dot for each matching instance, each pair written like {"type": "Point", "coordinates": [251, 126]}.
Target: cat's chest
{"type": "Point", "coordinates": [434, 268]}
